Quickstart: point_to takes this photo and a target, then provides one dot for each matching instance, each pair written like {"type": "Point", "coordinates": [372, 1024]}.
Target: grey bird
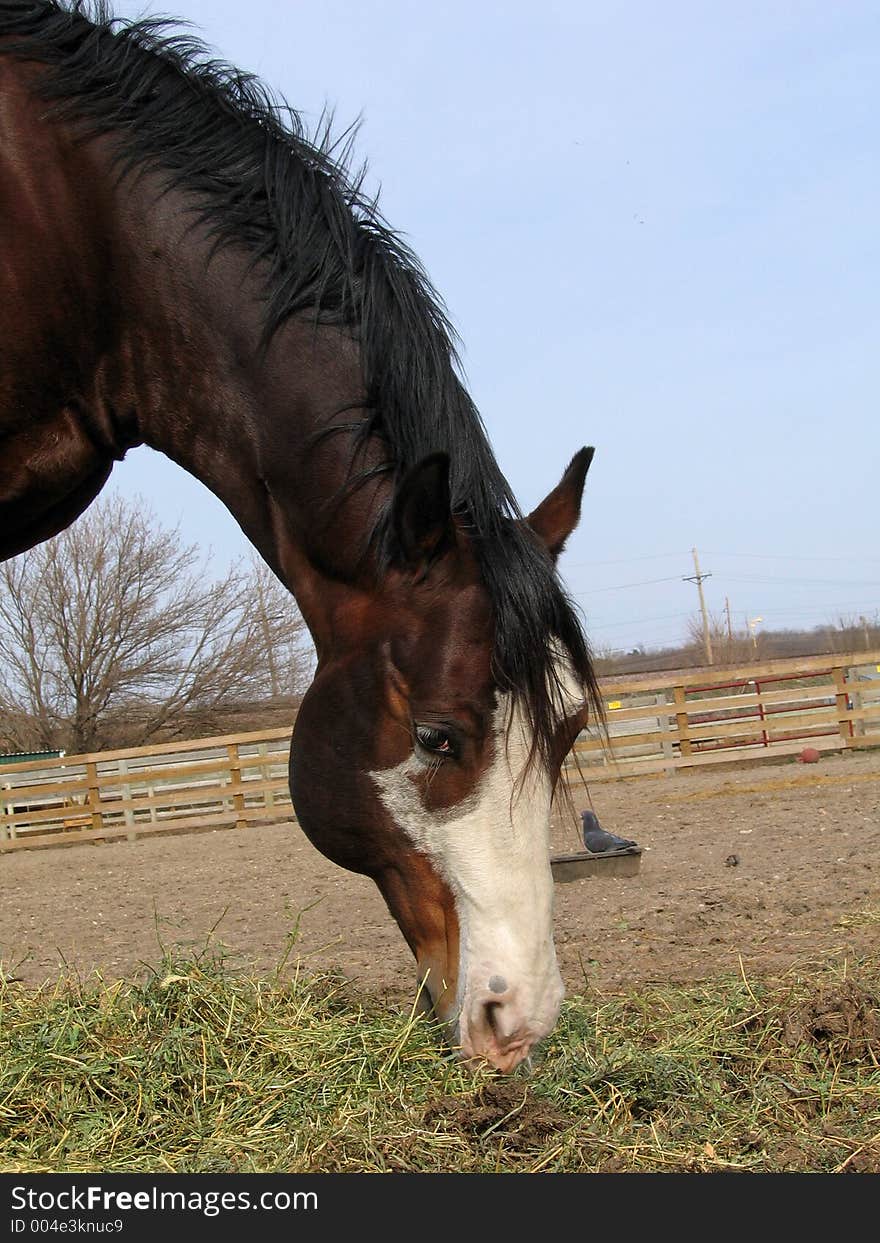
{"type": "Point", "coordinates": [596, 840]}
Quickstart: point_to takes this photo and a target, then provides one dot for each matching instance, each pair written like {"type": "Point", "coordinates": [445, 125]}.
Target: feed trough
{"type": "Point", "coordinates": [584, 863]}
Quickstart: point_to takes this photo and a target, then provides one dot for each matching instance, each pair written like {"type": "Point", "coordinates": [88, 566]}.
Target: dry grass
{"type": "Point", "coordinates": [200, 1068]}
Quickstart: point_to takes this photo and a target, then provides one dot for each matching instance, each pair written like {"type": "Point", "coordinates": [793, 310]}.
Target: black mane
{"type": "Point", "coordinates": [294, 204]}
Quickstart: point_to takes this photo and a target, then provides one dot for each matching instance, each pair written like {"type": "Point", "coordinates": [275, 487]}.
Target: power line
{"type": "Point", "coordinates": [654, 556]}
{"type": "Point", "coordinates": [648, 582]}
{"type": "Point", "coordinates": [756, 556]}
{"type": "Point", "coordinates": [799, 618]}
{"type": "Point", "coordinates": [809, 582]}
{"type": "Point", "coordinates": [639, 621]}
{"type": "Point", "coordinates": [806, 611]}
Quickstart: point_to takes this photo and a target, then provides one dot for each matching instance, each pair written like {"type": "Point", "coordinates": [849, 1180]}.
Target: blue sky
{"type": "Point", "coordinates": [656, 230]}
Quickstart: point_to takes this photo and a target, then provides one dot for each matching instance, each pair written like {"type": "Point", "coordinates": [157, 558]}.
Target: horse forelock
{"type": "Point", "coordinates": [541, 657]}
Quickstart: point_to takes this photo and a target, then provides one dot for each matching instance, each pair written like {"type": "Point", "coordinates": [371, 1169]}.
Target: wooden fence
{"type": "Point", "coordinates": [201, 784]}
{"type": "Point", "coordinates": [656, 724]}
{"type": "Point", "coordinates": [660, 723]}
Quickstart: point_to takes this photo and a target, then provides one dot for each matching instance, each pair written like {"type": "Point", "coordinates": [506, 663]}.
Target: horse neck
{"type": "Point", "coordinates": [246, 419]}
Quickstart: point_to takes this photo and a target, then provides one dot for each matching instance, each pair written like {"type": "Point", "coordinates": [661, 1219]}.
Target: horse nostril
{"type": "Point", "coordinates": [502, 1021]}
{"type": "Point", "coordinates": [492, 1011]}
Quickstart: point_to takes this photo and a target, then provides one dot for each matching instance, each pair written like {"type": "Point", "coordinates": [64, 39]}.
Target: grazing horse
{"type": "Point", "coordinates": [183, 268]}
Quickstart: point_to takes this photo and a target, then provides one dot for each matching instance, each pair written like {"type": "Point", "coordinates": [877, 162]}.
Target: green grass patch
{"type": "Point", "coordinates": [202, 1068]}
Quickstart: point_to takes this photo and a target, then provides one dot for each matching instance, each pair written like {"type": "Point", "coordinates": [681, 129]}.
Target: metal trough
{"type": "Point", "coordinates": [583, 863]}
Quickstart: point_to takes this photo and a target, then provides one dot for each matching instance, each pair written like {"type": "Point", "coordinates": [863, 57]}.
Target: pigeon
{"type": "Point", "coordinates": [596, 840]}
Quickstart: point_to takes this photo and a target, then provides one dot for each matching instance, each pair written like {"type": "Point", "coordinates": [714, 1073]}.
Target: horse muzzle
{"type": "Point", "coordinates": [497, 1022]}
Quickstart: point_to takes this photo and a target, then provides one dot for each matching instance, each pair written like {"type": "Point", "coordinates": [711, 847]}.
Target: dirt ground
{"type": "Point", "coordinates": [771, 867]}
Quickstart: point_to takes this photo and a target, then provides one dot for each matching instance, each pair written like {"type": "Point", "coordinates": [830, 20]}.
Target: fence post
{"type": "Point", "coordinates": [268, 795]}
{"type": "Point", "coordinates": [235, 784]}
{"type": "Point", "coordinates": [151, 794]}
{"type": "Point", "coordinates": [94, 794]}
{"type": "Point", "coordinates": [859, 727]}
{"type": "Point", "coordinates": [842, 701]}
{"type": "Point", "coordinates": [765, 737]}
{"type": "Point", "coordinates": [663, 725]}
{"type": "Point", "coordinates": [7, 831]}
{"type": "Point", "coordinates": [681, 721]}
{"type": "Point", "coordinates": [128, 814]}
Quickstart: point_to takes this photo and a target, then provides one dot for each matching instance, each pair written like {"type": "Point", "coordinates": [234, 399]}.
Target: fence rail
{"type": "Point", "coordinates": [656, 725]}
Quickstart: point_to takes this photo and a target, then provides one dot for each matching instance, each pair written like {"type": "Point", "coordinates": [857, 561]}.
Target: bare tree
{"type": "Point", "coordinates": [289, 655]}
{"type": "Point", "coordinates": [731, 646]}
{"type": "Point", "coordinates": [853, 633]}
{"type": "Point", "coordinates": [114, 631]}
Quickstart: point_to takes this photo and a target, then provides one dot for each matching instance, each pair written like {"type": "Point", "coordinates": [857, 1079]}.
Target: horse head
{"type": "Point", "coordinates": [415, 762]}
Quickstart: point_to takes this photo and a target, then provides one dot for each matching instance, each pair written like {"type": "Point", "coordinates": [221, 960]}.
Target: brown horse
{"type": "Point", "coordinates": [182, 268]}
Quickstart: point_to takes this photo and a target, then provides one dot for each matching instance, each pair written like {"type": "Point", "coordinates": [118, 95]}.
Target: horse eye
{"type": "Point", "coordinates": [437, 741]}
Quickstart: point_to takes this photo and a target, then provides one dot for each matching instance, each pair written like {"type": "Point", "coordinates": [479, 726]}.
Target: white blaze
{"type": "Point", "coordinates": [493, 851]}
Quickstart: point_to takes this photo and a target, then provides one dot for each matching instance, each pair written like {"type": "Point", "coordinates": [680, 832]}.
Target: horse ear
{"type": "Point", "coordinates": [558, 514]}
{"type": "Point", "coordinates": [421, 514]}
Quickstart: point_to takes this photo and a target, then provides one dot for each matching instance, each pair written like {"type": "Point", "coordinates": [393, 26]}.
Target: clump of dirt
{"type": "Point", "coordinates": [503, 1108]}
{"type": "Point", "coordinates": [843, 1017]}
{"type": "Point", "coordinates": [614, 1165]}
{"type": "Point", "coordinates": [864, 1162]}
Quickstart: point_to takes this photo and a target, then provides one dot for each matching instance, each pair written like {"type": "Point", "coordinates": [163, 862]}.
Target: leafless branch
{"type": "Point", "coordinates": [114, 631]}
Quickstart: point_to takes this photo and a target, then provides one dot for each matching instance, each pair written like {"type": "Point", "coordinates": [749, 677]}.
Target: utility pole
{"type": "Point", "coordinates": [697, 578]}
{"type": "Point", "coordinates": [729, 654]}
